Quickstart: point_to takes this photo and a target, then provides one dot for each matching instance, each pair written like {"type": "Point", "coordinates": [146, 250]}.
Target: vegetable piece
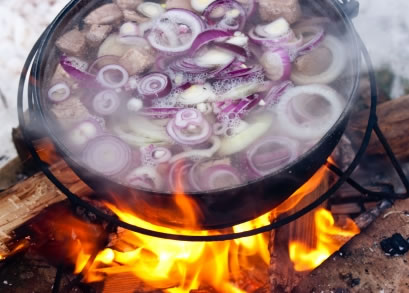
{"type": "Point", "coordinates": [112, 76]}
{"type": "Point", "coordinates": [178, 175]}
{"type": "Point", "coordinates": [59, 92]}
{"type": "Point", "coordinates": [208, 36]}
{"type": "Point", "coordinates": [188, 65]}
{"type": "Point", "coordinates": [213, 57]}
{"type": "Point", "coordinates": [197, 94]}
{"type": "Point", "coordinates": [272, 97]}
{"type": "Point", "coordinates": [199, 153]}
{"type": "Point", "coordinates": [159, 113]}
{"type": "Point", "coordinates": [189, 127]}
{"type": "Point", "coordinates": [144, 177]}
{"type": "Point", "coordinates": [220, 176]}
{"type": "Point", "coordinates": [339, 60]}
{"type": "Point", "coordinates": [271, 154]}
{"type": "Point", "coordinates": [154, 85]}
{"type": "Point", "coordinates": [154, 155]}
{"type": "Point", "coordinates": [108, 155]}
{"type": "Point", "coordinates": [101, 62]}
{"type": "Point", "coordinates": [134, 105]}
{"type": "Point", "coordinates": [106, 103]}
{"type": "Point", "coordinates": [150, 9]}
{"type": "Point", "coordinates": [257, 127]}
{"type": "Point", "coordinates": [83, 132]}
{"type": "Point", "coordinates": [240, 91]}
{"type": "Point", "coordinates": [129, 29]}
{"type": "Point", "coordinates": [314, 36]}
{"type": "Point", "coordinates": [116, 45]}
{"type": "Point", "coordinates": [200, 5]}
{"type": "Point", "coordinates": [308, 112]}
{"type": "Point", "coordinates": [225, 14]}
{"type": "Point", "coordinates": [275, 29]}
{"type": "Point", "coordinates": [277, 64]}
{"type": "Point", "coordinates": [77, 69]}
{"type": "Point", "coordinates": [175, 30]}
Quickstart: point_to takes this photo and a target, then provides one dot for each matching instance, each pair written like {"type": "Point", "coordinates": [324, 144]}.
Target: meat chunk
{"type": "Point", "coordinates": [137, 60]}
{"type": "Point", "coordinates": [105, 14]}
{"type": "Point", "coordinates": [70, 111]}
{"type": "Point", "coordinates": [315, 62]}
{"type": "Point", "coordinates": [72, 43]}
{"type": "Point", "coordinates": [272, 9]}
{"type": "Point", "coordinates": [131, 15]}
{"type": "Point", "coordinates": [179, 4]}
{"type": "Point", "coordinates": [128, 4]}
{"type": "Point", "coordinates": [97, 33]}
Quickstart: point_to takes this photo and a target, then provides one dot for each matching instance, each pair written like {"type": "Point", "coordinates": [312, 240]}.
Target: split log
{"type": "Point", "coordinates": [363, 266]}
{"type": "Point", "coordinates": [27, 199]}
{"type": "Point", "coordinates": [393, 120]}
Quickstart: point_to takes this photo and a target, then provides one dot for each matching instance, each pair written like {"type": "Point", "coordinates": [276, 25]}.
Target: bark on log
{"type": "Point", "coordinates": [27, 199]}
{"type": "Point", "coordinates": [393, 117]}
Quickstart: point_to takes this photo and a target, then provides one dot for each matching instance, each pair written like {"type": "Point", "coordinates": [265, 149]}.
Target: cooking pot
{"type": "Point", "coordinates": [217, 208]}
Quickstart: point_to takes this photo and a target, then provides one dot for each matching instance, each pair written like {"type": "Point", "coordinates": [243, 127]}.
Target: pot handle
{"type": "Point", "coordinates": [350, 7]}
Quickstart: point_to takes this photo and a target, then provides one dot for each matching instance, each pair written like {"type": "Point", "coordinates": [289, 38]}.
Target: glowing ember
{"type": "Point", "coordinates": [329, 238]}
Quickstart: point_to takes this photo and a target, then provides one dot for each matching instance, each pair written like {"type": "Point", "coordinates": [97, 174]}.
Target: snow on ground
{"type": "Point", "coordinates": [383, 25]}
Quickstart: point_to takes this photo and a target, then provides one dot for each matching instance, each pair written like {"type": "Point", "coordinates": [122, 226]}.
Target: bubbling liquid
{"type": "Point", "coordinates": [212, 97]}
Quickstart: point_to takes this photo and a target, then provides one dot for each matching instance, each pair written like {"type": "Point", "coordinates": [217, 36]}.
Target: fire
{"type": "Point", "coordinates": [178, 266]}
{"type": "Point", "coordinates": [329, 238]}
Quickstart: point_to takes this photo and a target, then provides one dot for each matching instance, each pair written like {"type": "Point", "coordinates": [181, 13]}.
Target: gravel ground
{"type": "Point", "coordinates": [383, 25]}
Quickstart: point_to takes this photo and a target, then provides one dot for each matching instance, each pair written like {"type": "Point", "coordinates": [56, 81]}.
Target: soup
{"type": "Point", "coordinates": [196, 95]}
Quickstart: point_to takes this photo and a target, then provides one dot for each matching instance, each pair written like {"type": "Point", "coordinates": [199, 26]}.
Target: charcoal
{"type": "Point", "coordinates": [395, 245]}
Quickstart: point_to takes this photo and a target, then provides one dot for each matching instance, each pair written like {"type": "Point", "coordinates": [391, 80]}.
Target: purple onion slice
{"type": "Point", "coordinates": [271, 154]}
{"type": "Point", "coordinates": [178, 175]}
{"type": "Point", "coordinates": [106, 102]}
{"type": "Point", "coordinates": [155, 85]}
{"type": "Point", "coordinates": [108, 155]}
{"type": "Point", "coordinates": [208, 36]}
{"type": "Point", "coordinates": [189, 127]}
{"type": "Point", "coordinates": [77, 69]}
{"type": "Point", "coordinates": [277, 64]}
{"type": "Point", "coordinates": [175, 30]}
{"type": "Point", "coordinates": [226, 14]}
{"type": "Point", "coordinates": [59, 92]}
{"type": "Point", "coordinates": [159, 113]}
{"type": "Point", "coordinates": [112, 76]}
{"type": "Point", "coordinates": [101, 62]}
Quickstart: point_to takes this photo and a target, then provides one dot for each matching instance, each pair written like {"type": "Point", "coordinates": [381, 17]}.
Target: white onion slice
{"type": "Point", "coordinates": [213, 58]}
{"type": "Point", "coordinates": [146, 177]}
{"type": "Point", "coordinates": [150, 9]}
{"type": "Point", "coordinates": [202, 153]}
{"type": "Point", "coordinates": [200, 5]}
{"type": "Point", "coordinates": [339, 60]}
{"type": "Point", "coordinates": [108, 155]}
{"type": "Point", "coordinates": [106, 102]}
{"type": "Point", "coordinates": [59, 92]}
{"type": "Point", "coordinates": [112, 76]}
{"type": "Point", "coordinates": [312, 126]}
{"type": "Point", "coordinates": [271, 154]}
{"type": "Point", "coordinates": [197, 94]}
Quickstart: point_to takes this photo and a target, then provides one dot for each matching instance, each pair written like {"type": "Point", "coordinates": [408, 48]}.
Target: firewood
{"type": "Point", "coordinates": [393, 119]}
{"type": "Point", "coordinates": [28, 198]}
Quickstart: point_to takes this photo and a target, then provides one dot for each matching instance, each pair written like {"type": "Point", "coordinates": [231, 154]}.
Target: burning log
{"type": "Point", "coordinates": [362, 266]}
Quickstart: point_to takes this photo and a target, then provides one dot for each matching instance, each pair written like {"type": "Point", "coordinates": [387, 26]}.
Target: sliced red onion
{"type": "Point", "coordinates": [188, 65]}
{"type": "Point", "coordinates": [106, 102]}
{"type": "Point", "coordinates": [217, 176]}
{"type": "Point", "coordinates": [162, 62]}
{"type": "Point", "coordinates": [59, 92]}
{"type": "Point", "coordinates": [317, 123]}
{"type": "Point", "coordinates": [108, 155]}
{"type": "Point", "coordinates": [134, 41]}
{"type": "Point", "coordinates": [239, 107]}
{"type": "Point", "coordinates": [166, 35]}
{"type": "Point", "coordinates": [335, 69]}
{"type": "Point", "coordinates": [247, 73]}
{"type": "Point", "coordinates": [159, 113]}
{"type": "Point", "coordinates": [272, 97]}
{"type": "Point", "coordinates": [239, 51]}
{"type": "Point", "coordinates": [83, 132]}
{"type": "Point", "coordinates": [155, 85]}
{"type": "Point", "coordinates": [277, 64]}
{"type": "Point", "coordinates": [199, 153]}
{"type": "Point", "coordinates": [158, 155]}
{"type": "Point", "coordinates": [101, 62]}
{"type": "Point", "coordinates": [271, 154]}
{"type": "Point", "coordinates": [220, 176]}
{"type": "Point", "coordinates": [316, 36]}
{"type": "Point", "coordinates": [249, 6]}
{"type": "Point", "coordinates": [112, 76]}
{"type": "Point", "coordinates": [214, 57]}
{"type": "Point", "coordinates": [150, 9]}
{"type": "Point", "coordinates": [189, 127]}
{"type": "Point", "coordinates": [77, 69]}
{"type": "Point", "coordinates": [144, 177]}
{"type": "Point", "coordinates": [273, 34]}
{"type": "Point", "coordinates": [208, 36]}
{"type": "Point", "coordinates": [226, 14]}
{"type": "Point", "coordinates": [178, 175]}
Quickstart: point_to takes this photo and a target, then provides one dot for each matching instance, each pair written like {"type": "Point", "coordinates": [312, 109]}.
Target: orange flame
{"type": "Point", "coordinates": [329, 239]}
